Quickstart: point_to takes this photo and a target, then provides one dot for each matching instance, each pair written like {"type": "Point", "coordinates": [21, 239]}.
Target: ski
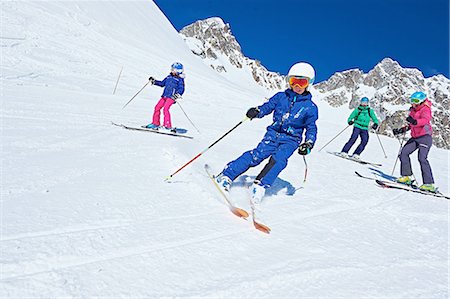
{"type": "Point", "coordinates": [392, 179]}
{"type": "Point", "coordinates": [152, 131]}
{"type": "Point", "coordinates": [162, 129]}
{"type": "Point", "coordinates": [355, 160]}
{"type": "Point", "coordinates": [261, 227]}
{"type": "Point", "coordinates": [236, 211]}
{"type": "Point", "coordinates": [412, 188]}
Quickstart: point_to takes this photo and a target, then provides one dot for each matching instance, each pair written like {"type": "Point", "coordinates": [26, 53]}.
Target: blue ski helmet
{"type": "Point", "coordinates": [177, 68]}
{"type": "Point", "coordinates": [365, 100]}
{"type": "Point", "coordinates": [417, 97]}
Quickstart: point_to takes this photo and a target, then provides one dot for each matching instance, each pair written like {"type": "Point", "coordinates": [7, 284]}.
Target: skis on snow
{"type": "Point", "coordinates": [236, 211]}
{"type": "Point", "coordinates": [355, 160]}
{"type": "Point", "coordinates": [392, 184]}
{"type": "Point", "coordinates": [144, 129]}
{"type": "Point", "coordinates": [410, 188]}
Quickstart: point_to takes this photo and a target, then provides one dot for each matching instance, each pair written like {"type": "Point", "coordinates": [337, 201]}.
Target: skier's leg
{"type": "Point", "coordinates": [405, 161]}
{"type": "Point", "coordinates": [157, 112]}
{"type": "Point", "coordinates": [250, 158]}
{"type": "Point", "coordinates": [266, 169]}
{"type": "Point", "coordinates": [279, 162]}
{"type": "Point", "coordinates": [425, 143]}
{"type": "Point", "coordinates": [364, 134]}
{"type": "Point", "coordinates": [352, 140]}
{"type": "Point", "coordinates": [167, 120]}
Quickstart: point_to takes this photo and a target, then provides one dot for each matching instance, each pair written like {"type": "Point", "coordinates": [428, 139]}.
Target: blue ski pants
{"type": "Point", "coordinates": [275, 145]}
{"type": "Point", "coordinates": [423, 143]}
{"type": "Point", "coordinates": [364, 139]}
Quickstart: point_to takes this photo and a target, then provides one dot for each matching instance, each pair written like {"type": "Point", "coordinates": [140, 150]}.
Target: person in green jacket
{"type": "Point", "coordinates": [360, 117]}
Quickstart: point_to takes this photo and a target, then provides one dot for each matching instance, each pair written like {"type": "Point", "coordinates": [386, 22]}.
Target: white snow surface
{"type": "Point", "coordinates": [85, 211]}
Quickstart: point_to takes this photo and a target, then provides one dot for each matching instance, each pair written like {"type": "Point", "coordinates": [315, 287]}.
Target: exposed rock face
{"type": "Point", "coordinates": [212, 40]}
{"type": "Point", "coordinates": [388, 86]}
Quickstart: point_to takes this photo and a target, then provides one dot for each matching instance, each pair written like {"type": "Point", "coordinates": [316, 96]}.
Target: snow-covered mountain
{"type": "Point", "coordinates": [389, 85]}
{"type": "Point", "coordinates": [85, 210]}
{"type": "Point", "coordinates": [211, 40]}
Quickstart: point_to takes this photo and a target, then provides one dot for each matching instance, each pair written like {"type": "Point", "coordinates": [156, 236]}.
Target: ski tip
{"type": "Point", "coordinates": [261, 227]}
{"type": "Point", "coordinates": [239, 212]}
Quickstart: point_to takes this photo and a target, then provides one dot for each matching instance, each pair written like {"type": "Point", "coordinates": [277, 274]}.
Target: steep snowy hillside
{"type": "Point", "coordinates": [85, 211]}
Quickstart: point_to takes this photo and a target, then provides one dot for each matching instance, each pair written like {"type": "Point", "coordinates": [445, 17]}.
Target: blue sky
{"type": "Point", "coordinates": [333, 35]}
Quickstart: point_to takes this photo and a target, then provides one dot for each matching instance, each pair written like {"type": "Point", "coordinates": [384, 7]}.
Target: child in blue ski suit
{"type": "Point", "coordinates": [173, 90]}
{"type": "Point", "coordinates": [293, 114]}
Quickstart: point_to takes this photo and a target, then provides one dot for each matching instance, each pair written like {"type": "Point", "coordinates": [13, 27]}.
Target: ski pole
{"type": "Point", "coordinates": [188, 117]}
{"type": "Point", "coordinates": [334, 137]}
{"type": "Point", "coordinates": [206, 149]}
{"type": "Point", "coordinates": [136, 94]}
{"type": "Point", "coordinates": [399, 151]}
{"type": "Point", "coordinates": [379, 140]}
{"type": "Point", "coordinates": [117, 82]}
{"type": "Point", "coordinates": [306, 169]}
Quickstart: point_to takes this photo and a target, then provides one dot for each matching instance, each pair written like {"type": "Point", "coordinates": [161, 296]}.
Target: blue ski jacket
{"type": "Point", "coordinates": [292, 114]}
{"type": "Point", "coordinates": [173, 84]}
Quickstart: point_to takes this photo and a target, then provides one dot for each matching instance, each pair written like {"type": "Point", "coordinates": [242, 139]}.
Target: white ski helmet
{"type": "Point", "coordinates": [302, 69]}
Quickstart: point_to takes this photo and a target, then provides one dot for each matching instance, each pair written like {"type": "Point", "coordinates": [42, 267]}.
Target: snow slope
{"type": "Point", "coordinates": [85, 211]}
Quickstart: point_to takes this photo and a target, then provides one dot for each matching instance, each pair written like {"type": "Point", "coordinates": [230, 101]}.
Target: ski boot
{"type": "Point", "coordinates": [224, 183]}
{"type": "Point", "coordinates": [152, 126]}
{"type": "Point", "coordinates": [428, 187]}
{"type": "Point", "coordinates": [342, 154]}
{"type": "Point", "coordinates": [404, 180]}
{"type": "Point", "coordinates": [356, 157]}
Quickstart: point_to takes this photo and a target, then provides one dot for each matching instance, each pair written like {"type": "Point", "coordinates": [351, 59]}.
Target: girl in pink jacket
{"type": "Point", "coordinates": [419, 122]}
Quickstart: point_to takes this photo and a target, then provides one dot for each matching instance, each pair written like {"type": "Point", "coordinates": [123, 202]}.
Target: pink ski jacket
{"type": "Point", "coordinates": [422, 114]}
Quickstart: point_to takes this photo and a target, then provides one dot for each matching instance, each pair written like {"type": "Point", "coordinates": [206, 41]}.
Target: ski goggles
{"type": "Point", "coordinates": [177, 71]}
{"type": "Point", "coordinates": [301, 82]}
{"type": "Point", "coordinates": [415, 100]}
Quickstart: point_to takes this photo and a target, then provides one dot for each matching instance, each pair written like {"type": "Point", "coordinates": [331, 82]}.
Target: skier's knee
{"type": "Point", "coordinates": [256, 158]}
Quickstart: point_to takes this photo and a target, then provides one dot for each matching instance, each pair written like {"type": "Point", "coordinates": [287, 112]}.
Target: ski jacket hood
{"type": "Point", "coordinates": [292, 115]}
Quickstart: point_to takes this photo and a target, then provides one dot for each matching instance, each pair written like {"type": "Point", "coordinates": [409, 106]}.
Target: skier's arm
{"type": "Point", "coordinates": [425, 118]}
{"type": "Point", "coordinates": [180, 87]}
{"type": "Point", "coordinates": [352, 115]}
{"type": "Point", "coordinates": [373, 117]}
{"type": "Point", "coordinates": [161, 83]}
{"type": "Point", "coordinates": [268, 106]}
{"type": "Point", "coordinates": [311, 127]}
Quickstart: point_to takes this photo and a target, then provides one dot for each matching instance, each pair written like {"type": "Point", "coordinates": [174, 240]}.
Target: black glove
{"type": "Point", "coordinates": [375, 126]}
{"type": "Point", "coordinates": [305, 148]}
{"type": "Point", "coordinates": [176, 97]}
{"type": "Point", "coordinates": [400, 130]}
{"type": "Point", "coordinates": [152, 80]}
{"type": "Point", "coordinates": [252, 113]}
{"type": "Point", "coordinates": [351, 122]}
{"type": "Point", "coordinates": [411, 120]}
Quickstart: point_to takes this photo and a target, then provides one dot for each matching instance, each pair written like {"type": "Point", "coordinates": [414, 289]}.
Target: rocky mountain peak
{"type": "Point", "coordinates": [212, 40]}
{"type": "Point", "coordinates": [389, 85]}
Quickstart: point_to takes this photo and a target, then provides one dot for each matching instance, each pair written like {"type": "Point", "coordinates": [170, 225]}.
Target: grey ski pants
{"type": "Point", "coordinates": [423, 143]}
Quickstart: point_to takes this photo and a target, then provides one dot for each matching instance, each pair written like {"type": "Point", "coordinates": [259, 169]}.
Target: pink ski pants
{"type": "Point", "coordinates": [164, 103]}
